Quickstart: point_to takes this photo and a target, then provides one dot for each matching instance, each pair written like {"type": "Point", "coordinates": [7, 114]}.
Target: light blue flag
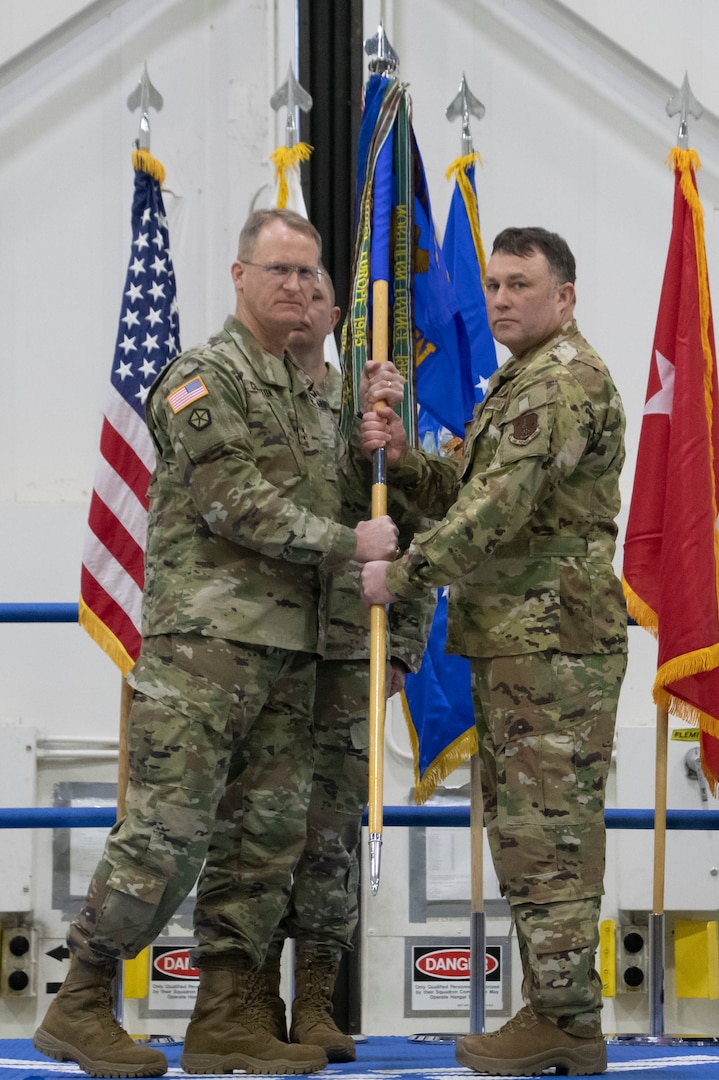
{"type": "Point", "coordinates": [438, 700]}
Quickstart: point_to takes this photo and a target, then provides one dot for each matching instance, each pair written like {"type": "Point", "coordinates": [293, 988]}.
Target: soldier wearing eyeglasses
{"type": "Point", "coordinates": [247, 514]}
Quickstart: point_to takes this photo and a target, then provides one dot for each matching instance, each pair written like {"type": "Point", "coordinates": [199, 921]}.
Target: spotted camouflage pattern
{"type": "Point", "coordinates": [246, 501]}
{"type": "Point", "coordinates": [324, 903]}
{"type": "Point", "coordinates": [545, 726]}
{"type": "Point", "coordinates": [220, 756]}
{"type": "Point", "coordinates": [526, 541]}
{"type": "Point", "coordinates": [557, 944]}
{"type": "Point", "coordinates": [251, 476]}
{"type": "Point", "coordinates": [529, 534]}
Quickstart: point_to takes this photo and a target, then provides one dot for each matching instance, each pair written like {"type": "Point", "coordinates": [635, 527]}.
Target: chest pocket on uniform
{"type": "Point", "coordinates": [325, 450]}
{"type": "Point", "coordinates": [526, 425]}
{"type": "Point", "coordinates": [483, 432]}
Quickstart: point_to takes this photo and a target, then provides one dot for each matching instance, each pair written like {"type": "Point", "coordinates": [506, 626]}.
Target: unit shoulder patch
{"type": "Point", "coordinates": [524, 428]}
{"type": "Point", "coordinates": [200, 419]}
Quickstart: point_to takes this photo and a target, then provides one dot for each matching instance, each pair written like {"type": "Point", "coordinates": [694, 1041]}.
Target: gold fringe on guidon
{"type": "Point", "coordinates": [459, 169]}
{"type": "Point", "coordinates": [142, 160]}
{"type": "Point", "coordinates": [285, 158]}
{"type": "Point", "coordinates": [452, 756]}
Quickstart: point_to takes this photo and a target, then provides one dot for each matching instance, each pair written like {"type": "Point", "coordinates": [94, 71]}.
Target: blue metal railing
{"type": "Point", "coordinates": [35, 613]}
{"type": "Point", "coordinates": [60, 817]}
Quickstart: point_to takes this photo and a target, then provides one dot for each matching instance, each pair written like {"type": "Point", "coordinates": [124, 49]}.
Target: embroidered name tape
{"type": "Point", "coordinates": [187, 393]}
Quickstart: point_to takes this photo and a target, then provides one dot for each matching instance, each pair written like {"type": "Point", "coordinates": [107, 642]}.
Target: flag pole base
{"type": "Point", "coordinates": [435, 1037]}
{"type": "Point", "coordinates": [478, 972]}
{"type": "Point", "coordinates": [656, 973]}
{"type": "Point", "coordinates": [375, 851]}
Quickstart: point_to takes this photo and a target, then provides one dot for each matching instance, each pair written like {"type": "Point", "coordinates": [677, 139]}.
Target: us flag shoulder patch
{"type": "Point", "coordinates": [187, 393]}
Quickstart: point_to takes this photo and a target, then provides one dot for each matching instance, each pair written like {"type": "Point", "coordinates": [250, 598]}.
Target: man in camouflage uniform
{"type": "Point", "coordinates": [526, 544]}
{"type": "Point", "coordinates": [245, 503]}
{"type": "Point", "coordinates": [323, 910]}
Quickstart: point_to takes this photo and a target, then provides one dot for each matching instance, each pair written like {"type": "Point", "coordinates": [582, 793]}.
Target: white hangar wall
{"type": "Point", "coordinates": [575, 137]}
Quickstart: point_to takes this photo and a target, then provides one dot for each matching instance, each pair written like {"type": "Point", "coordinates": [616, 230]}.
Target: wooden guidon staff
{"type": "Point", "coordinates": [378, 614]}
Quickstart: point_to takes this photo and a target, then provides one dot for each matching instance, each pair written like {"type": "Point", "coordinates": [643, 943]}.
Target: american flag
{"type": "Point", "coordinates": [148, 336]}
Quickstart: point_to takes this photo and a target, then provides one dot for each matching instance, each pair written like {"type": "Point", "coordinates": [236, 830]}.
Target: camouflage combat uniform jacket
{"type": "Point", "coordinates": [529, 533]}
{"type": "Point", "coordinates": [246, 498]}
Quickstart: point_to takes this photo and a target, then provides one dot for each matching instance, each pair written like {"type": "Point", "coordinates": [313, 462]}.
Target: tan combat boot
{"type": "Point", "coordinates": [80, 1026]}
{"type": "Point", "coordinates": [226, 1030]}
{"type": "Point", "coordinates": [530, 1043]}
{"type": "Point", "coordinates": [268, 1000]}
{"type": "Point", "coordinates": [315, 973]}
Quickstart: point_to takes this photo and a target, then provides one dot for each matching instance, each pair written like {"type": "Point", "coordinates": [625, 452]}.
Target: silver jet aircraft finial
{"type": "Point", "coordinates": [383, 60]}
{"type": "Point", "coordinates": [294, 97]}
{"type": "Point", "coordinates": [144, 97]}
{"type": "Point", "coordinates": [685, 104]}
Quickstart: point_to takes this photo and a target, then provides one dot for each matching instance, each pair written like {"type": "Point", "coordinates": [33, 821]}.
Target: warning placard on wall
{"type": "Point", "coordinates": [173, 979]}
{"type": "Point", "coordinates": [438, 976]}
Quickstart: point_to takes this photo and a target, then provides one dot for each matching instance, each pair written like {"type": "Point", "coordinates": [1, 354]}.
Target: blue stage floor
{"type": "Point", "coordinates": [396, 1058]}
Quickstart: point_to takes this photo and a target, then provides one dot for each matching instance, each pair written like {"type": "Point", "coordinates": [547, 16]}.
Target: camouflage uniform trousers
{"type": "Point", "coordinates": [220, 749]}
{"type": "Point", "coordinates": [545, 725]}
{"type": "Point", "coordinates": [323, 906]}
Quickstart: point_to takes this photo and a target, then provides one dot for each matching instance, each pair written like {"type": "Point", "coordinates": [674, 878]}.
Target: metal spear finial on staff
{"type": "Point", "coordinates": [144, 97]}
{"type": "Point", "coordinates": [383, 60]}
{"type": "Point", "coordinates": [295, 97]}
{"type": "Point", "coordinates": [685, 104]}
{"type": "Point", "coordinates": [464, 105]}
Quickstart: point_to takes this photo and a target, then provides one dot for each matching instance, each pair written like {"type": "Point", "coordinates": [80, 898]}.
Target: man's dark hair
{"type": "Point", "coordinates": [259, 218]}
{"type": "Point", "coordinates": [555, 249]}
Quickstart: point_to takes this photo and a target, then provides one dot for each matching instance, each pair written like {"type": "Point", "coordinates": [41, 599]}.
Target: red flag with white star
{"type": "Point", "coordinates": [671, 550]}
{"type": "Point", "coordinates": [148, 337]}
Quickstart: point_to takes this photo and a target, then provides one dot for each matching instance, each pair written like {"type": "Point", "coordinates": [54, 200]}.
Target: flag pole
{"type": "Point", "coordinates": [656, 922]}
{"type": "Point", "coordinates": [378, 613]}
{"type": "Point", "coordinates": [684, 104]}
{"type": "Point", "coordinates": [286, 159]}
{"type": "Point", "coordinates": [383, 61]}
{"type": "Point", "coordinates": [464, 105]}
{"type": "Point", "coordinates": [123, 763]}
{"type": "Point", "coordinates": [478, 930]}
{"type": "Point", "coordinates": [144, 97]}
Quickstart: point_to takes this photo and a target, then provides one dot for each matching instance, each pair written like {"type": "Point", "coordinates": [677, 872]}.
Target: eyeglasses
{"type": "Point", "coordinates": [306, 275]}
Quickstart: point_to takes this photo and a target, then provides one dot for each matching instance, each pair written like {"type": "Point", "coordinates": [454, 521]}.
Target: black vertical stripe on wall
{"type": "Point", "coordinates": [331, 63]}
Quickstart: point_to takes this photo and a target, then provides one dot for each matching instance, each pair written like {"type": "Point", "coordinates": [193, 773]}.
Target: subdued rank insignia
{"type": "Point", "coordinates": [524, 428]}
{"type": "Point", "coordinates": [200, 419]}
